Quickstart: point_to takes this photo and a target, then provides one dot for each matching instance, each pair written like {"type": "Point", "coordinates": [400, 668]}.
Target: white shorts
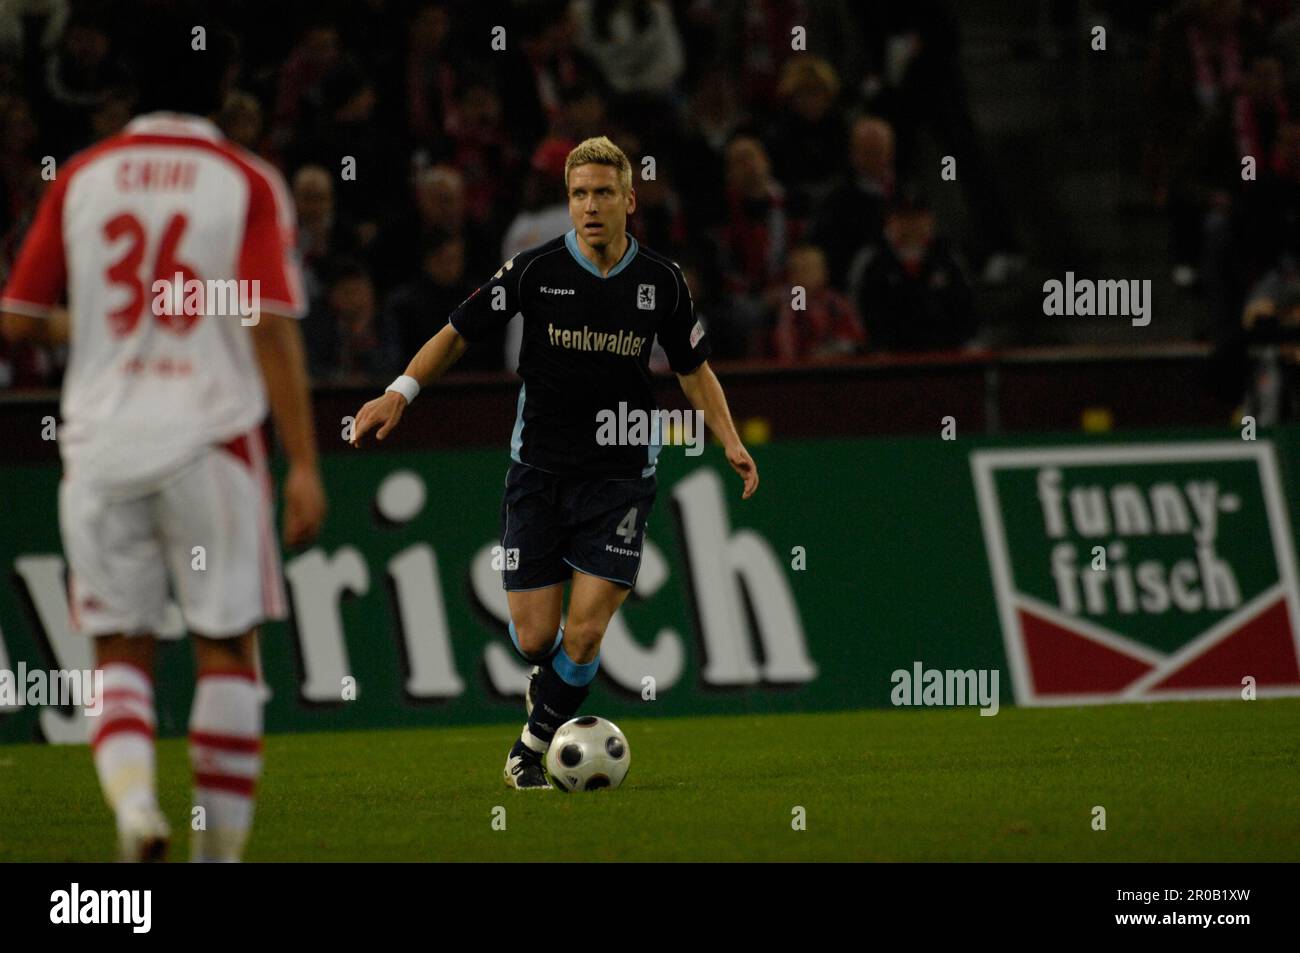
{"type": "Point", "coordinates": [123, 552]}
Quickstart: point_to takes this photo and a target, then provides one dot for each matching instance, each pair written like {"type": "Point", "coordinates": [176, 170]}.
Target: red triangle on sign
{"type": "Point", "coordinates": [1263, 647]}
{"type": "Point", "coordinates": [1063, 662]}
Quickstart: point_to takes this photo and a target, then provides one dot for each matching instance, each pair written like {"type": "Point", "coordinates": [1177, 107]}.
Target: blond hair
{"type": "Point", "coordinates": [808, 70]}
{"type": "Point", "coordinates": [600, 151]}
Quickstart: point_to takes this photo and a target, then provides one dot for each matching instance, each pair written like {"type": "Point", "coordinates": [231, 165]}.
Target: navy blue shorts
{"type": "Point", "coordinates": [552, 525]}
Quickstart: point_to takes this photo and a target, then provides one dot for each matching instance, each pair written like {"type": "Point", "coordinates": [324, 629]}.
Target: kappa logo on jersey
{"type": "Point", "coordinates": [1141, 572]}
{"type": "Point", "coordinates": [510, 263]}
{"type": "Point", "coordinates": [645, 297]}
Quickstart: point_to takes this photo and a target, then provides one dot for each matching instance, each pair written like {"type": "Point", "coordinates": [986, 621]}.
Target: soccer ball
{"type": "Point", "coordinates": [588, 753]}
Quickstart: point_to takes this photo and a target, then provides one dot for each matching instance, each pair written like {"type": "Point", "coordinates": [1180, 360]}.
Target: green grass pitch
{"type": "Point", "coordinates": [1205, 781]}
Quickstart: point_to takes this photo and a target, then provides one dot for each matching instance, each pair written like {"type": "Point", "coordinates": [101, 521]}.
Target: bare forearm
{"type": "Point", "coordinates": [438, 353]}
{"type": "Point", "coordinates": [278, 342]}
{"type": "Point", "coordinates": [704, 391]}
{"type": "Point", "coordinates": [49, 331]}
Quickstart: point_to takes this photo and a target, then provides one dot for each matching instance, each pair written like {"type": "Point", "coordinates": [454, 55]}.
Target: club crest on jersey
{"type": "Point", "coordinates": [645, 297]}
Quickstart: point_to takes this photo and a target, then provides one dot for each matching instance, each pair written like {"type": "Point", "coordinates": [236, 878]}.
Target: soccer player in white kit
{"type": "Point", "coordinates": [165, 471]}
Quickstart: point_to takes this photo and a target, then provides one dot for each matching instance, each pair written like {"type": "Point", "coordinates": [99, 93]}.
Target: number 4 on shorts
{"type": "Point", "coordinates": [627, 528]}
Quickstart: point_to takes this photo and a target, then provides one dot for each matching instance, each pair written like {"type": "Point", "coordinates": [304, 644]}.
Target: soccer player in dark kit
{"type": "Point", "coordinates": [576, 503]}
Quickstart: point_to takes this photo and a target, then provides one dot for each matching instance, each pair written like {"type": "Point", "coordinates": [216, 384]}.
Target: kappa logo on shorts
{"type": "Point", "coordinates": [1138, 572]}
{"type": "Point", "coordinates": [645, 297]}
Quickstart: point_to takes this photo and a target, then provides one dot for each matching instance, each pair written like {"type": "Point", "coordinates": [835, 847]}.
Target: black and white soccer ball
{"type": "Point", "coordinates": [588, 753]}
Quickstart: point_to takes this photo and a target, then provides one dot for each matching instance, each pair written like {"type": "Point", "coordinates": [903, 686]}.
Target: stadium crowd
{"type": "Point", "coordinates": [420, 157]}
{"type": "Point", "coordinates": [756, 166]}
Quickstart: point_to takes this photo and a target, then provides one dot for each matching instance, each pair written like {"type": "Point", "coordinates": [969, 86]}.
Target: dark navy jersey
{"type": "Point", "coordinates": [585, 357]}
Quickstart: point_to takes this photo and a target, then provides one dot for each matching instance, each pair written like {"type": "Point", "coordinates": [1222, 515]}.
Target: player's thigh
{"type": "Point", "coordinates": [220, 544]}
{"type": "Point", "coordinates": [533, 535]}
{"type": "Point", "coordinates": [117, 574]}
{"type": "Point", "coordinates": [607, 528]}
{"type": "Point", "coordinates": [234, 653]}
{"type": "Point", "coordinates": [135, 650]}
{"type": "Point", "coordinates": [592, 603]}
{"type": "Point", "coordinates": [536, 616]}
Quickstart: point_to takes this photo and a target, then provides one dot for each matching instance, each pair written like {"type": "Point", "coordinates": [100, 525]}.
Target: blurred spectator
{"type": "Point", "coordinates": [439, 206]}
{"type": "Point", "coordinates": [19, 157]}
{"type": "Point", "coordinates": [545, 215]}
{"type": "Point", "coordinates": [713, 117]}
{"type": "Point", "coordinates": [920, 83]}
{"type": "Point", "coordinates": [852, 216]}
{"type": "Point", "coordinates": [430, 79]}
{"type": "Point", "coordinates": [827, 327]}
{"type": "Point", "coordinates": [733, 330]}
{"type": "Point", "coordinates": [808, 142]}
{"type": "Point", "coordinates": [754, 42]}
{"type": "Point", "coordinates": [545, 212]}
{"type": "Point", "coordinates": [1268, 224]}
{"type": "Point", "coordinates": [418, 309]}
{"type": "Point", "coordinates": [1196, 64]}
{"type": "Point", "coordinates": [113, 113]}
{"type": "Point", "coordinates": [1233, 231]}
{"type": "Point", "coordinates": [346, 344]}
{"type": "Point", "coordinates": [1271, 325]}
{"type": "Point", "coordinates": [757, 232]}
{"type": "Point", "coordinates": [322, 235]}
{"type": "Point", "coordinates": [346, 135]}
{"type": "Point", "coordinates": [240, 119]}
{"type": "Point", "coordinates": [80, 75]}
{"type": "Point", "coordinates": [659, 220]}
{"type": "Point", "coordinates": [545, 66]}
{"type": "Point", "coordinates": [485, 153]}
{"type": "Point", "coordinates": [582, 112]}
{"type": "Point", "coordinates": [25, 365]}
{"type": "Point", "coordinates": [635, 43]}
{"type": "Point", "coordinates": [301, 76]}
{"type": "Point", "coordinates": [913, 291]}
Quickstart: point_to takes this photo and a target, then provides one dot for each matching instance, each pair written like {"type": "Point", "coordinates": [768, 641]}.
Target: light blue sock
{"type": "Point", "coordinates": [573, 673]}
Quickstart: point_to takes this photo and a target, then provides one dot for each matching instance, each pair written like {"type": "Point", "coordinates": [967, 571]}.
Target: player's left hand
{"type": "Point", "coordinates": [304, 505]}
{"type": "Point", "coordinates": [743, 464]}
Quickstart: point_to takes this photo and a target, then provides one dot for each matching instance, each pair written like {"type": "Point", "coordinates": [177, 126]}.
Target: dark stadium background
{"type": "Point", "coordinates": [1105, 163]}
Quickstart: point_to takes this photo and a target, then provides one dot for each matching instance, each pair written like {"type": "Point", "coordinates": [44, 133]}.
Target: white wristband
{"type": "Point", "coordinates": [405, 385]}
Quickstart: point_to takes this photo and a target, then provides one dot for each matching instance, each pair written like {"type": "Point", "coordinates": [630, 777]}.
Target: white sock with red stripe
{"type": "Point", "coordinates": [226, 755]}
{"type": "Point", "coordinates": [121, 737]}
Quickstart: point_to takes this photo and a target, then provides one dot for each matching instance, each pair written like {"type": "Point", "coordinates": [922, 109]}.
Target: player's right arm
{"type": "Point", "coordinates": [430, 362]}
{"type": "Point", "coordinates": [37, 281]}
{"type": "Point", "coordinates": [484, 312]}
{"type": "Point", "coordinates": [266, 257]}
{"type": "Point", "coordinates": [277, 341]}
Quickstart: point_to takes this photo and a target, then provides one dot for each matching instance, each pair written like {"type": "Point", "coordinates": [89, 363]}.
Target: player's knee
{"type": "Point", "coordinates": [582, 640]}
{"type": "Point", "coordinates": [535, 638]}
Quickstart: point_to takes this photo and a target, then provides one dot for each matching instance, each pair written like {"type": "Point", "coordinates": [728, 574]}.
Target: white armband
{"type": "Point", "coordinates": [407, 386]}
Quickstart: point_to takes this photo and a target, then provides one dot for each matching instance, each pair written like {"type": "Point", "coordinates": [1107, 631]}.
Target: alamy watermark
{"type": "Point", "coordinates": [226, 298]}
{"type": "Point", "coordinates": [946, 687]}
{"type": "Point", "coordinates": [81, 688]}
{"type": "Point", "coordinates": [1083, 297]}
{"type": "Point", "coordinates": [644, 428]}
{"type": "Point", "coordinates": [133, 908]}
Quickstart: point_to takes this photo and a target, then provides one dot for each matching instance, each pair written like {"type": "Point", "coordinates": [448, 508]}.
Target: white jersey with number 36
{"type": "Point", "coordinates": [154, 378]}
